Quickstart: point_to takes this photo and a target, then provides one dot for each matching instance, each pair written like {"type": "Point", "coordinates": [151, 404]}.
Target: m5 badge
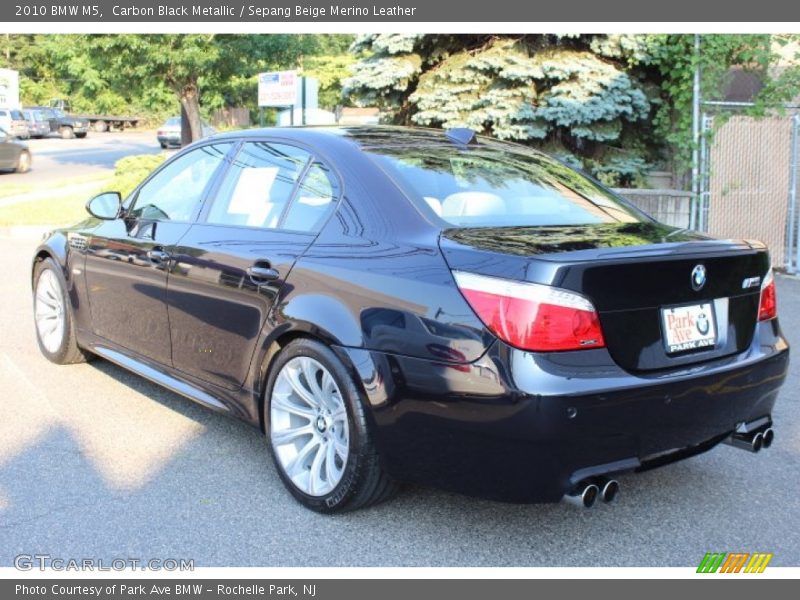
{"type": "Point", "coordinates": [751, 282]}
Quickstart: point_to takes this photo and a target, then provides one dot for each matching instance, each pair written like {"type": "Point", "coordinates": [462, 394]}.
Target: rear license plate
{"type": "Point", "coordinates": [688, 327]}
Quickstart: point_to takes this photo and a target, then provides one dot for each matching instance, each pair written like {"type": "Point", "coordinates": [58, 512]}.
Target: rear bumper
{"type": "Point", "coordinates": [523, 427]}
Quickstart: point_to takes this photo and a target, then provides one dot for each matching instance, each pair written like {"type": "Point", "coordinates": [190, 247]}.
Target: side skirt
{"type": "Point", "coordinates": [236, 404]}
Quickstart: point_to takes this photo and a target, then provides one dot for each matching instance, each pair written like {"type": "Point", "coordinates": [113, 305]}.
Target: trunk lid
{"type": "Point", "coordinates": [639, 278]}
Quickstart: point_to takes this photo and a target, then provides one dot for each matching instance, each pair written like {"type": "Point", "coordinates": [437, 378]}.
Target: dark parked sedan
{"type": "Point", "coordinates": [393, 304]}
{"type": "Point", "coordinates": [14, 155]}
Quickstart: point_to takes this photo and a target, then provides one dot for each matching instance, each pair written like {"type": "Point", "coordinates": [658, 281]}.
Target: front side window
{"type": "Point", "coordinates": [175, 192]}
{"type": "Point", "coordinates": [258, 186]}
{"type": "Point", "coordinates": [490, 186]}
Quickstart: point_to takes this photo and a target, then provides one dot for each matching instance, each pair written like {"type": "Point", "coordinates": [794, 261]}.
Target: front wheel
{"type": "Point", "coordinates": [55, 328]}
{"type": "Point", "coordinates": [80, 136]}
{"type": "Point", "coordinates": [318, 430]}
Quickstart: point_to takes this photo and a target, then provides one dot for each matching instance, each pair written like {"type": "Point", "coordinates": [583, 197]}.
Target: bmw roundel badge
{"type": "Point", "coordinates": [703, 326]}
{"type": "Point", "coordinates": [698, 278]}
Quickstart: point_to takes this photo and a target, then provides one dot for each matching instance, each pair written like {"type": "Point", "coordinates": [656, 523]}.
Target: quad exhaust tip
{"type": "Point", "coordinates": [585, 494]}
{"type": "Point", "coordinates": [768, 437]}
{"type": "Point", "coordinates": [589, 491]}
{"type": "Point", "coordinates": [609, 488]}
{"type": "Point", "coordinates": [753, 441]}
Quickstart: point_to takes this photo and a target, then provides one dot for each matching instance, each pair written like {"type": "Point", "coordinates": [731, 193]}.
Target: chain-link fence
{"type": "Point", "coordinates": [749, 182]}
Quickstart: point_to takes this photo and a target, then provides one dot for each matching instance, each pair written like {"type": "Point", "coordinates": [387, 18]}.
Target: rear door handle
{"type": "Point", "coordinates": [158, 255]}
{"type": "Point", "coordinates": [261, 272]}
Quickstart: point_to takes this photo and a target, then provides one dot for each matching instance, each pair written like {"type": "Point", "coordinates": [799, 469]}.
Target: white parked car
{"type": "Point", "coordinates": [169, 134]}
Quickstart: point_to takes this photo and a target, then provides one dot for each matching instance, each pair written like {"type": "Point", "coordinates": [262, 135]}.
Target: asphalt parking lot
{"type": "Point", "coordinates": [54, 158]}
{"type": "Point", "coordinates": [98, 463]}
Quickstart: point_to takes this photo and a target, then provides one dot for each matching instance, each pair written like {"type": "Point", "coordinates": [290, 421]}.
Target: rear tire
{"type": "Point", "coordinates": [100, 126]}
{"type": "Point", "coordinates": [319, 434]}
{"type": "Point", "coordinates": [55, 327]}
{"type": "Point", "coordinates": [23, 162]}
{"type": "Point", "coordinates": [66, 133]}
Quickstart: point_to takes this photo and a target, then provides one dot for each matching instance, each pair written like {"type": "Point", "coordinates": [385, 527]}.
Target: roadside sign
{"type": "Point", "coordinates": [9, 88]}
{"type": "Point", "coordinates": [278, 88]}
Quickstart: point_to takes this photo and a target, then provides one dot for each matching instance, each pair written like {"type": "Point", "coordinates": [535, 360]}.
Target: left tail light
{"type": "Point", "coordinates": [531, 316]}
{"type": "Point", "coordinates": [768, 304]}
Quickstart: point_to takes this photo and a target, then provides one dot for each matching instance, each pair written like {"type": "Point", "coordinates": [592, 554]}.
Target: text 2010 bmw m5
{"type": "Point", "coordinates": [393, 304]}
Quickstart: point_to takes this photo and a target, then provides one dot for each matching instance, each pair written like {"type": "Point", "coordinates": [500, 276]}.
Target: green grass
{"type": "Point", "coordinates": [18, 189]}
{"type": "Point", "coordinates": [48, 211]}
{"type": "Point", "coordinates": [70, 208]}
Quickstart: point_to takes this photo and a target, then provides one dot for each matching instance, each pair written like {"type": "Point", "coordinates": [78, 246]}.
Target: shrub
{"type": "Point", "coordinates": [131, 171]}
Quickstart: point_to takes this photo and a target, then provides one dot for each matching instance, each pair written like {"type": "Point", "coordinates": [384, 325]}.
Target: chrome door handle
{"type": "Point", "coordinates": [262, 273]}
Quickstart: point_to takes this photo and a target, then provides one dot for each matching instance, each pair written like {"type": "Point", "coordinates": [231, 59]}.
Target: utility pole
{"type": "Point", "coordinates": [696, 99]}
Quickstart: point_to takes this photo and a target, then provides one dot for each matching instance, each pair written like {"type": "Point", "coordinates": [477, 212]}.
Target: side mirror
{"type": "Point", "coordinates": [105, 206]}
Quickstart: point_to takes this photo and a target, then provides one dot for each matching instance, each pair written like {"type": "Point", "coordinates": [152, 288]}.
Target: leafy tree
{"type": "Point", "coordinates": [149, 73]}
{"type": "Point", "coordinates": [612, 104]}
{"type": "Point", "coordinates": [579, 96]}
{"type": "Point", "coordinates": [675, 59]}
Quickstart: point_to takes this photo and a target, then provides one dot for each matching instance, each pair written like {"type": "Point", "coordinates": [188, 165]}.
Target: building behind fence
{"type": "Point", "coordinates": [672, 207]}
{"type": "Point", "coordinates": [749, 184]}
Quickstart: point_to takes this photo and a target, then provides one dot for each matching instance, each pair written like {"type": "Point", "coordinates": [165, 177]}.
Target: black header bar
{"type": "Point", "coordinates": [398, 11]}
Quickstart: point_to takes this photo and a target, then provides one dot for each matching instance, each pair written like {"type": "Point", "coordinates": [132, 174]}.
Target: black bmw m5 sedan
{"type": "Point", "coordinates": [394, 304]}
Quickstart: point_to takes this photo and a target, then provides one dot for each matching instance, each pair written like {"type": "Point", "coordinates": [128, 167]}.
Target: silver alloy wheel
{"type": "Point", "coordinates": [309, 430]}
{"type": "Point", "coordinates": [49, 311]}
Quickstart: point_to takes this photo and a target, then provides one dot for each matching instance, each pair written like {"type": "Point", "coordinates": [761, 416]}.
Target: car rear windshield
{"type": "Point", "coordinates": [492, 186]}
{"type": "Point", "coordinates": [172, 121]}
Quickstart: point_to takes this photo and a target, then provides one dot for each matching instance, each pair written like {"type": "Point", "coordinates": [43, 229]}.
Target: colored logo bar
{"type": "Point", "coordinates": [734, 562]}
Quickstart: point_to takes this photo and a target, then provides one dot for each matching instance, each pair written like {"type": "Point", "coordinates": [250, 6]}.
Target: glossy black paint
{"type": "Point", "coordinates": [652, 273]}
{"type": "Point", "coordinates": [217, 309]}
{"type": "Point", "coordinates": [180, 303]}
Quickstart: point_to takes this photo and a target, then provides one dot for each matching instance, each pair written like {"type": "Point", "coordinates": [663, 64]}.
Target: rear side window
{"type": "Point", "coordinates": [175, 192]}
{"type": "Point", "coordinates": [488, 186]}
{"type": "Point", "coordinates": [314, 201]}
{"type": "Point", "coordinates": [258, 185]}
{"type": "Point", "coordinates": [17, 115]}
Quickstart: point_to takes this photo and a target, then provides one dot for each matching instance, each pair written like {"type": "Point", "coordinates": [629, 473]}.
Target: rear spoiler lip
{"type": "Point", "coordinates": [709, 248]}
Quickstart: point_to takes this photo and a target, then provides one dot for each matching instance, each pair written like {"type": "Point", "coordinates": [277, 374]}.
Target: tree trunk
{"type": "Point", "coordinates": [190, 113]}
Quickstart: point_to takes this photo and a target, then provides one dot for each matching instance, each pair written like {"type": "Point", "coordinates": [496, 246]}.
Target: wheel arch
{"type": "Point", "coordinates": [280, 337]}
{"type": "Point", "coordinates": [56, 248]}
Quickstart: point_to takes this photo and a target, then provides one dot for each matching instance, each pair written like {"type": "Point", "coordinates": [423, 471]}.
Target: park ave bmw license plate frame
{"type": "Point", "coordinates": [689, 327]}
